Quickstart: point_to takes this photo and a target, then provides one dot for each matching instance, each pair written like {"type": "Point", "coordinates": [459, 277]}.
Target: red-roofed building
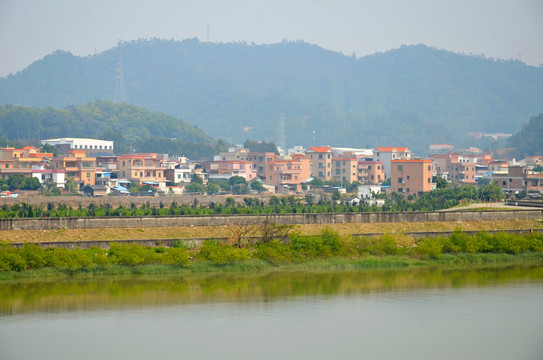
{"type": "Point", "coordinates": [345, 168]}
{"type": "Point", "coordinates": [321, 162]}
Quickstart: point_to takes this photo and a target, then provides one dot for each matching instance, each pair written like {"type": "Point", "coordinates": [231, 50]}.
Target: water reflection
{"type": "Point", "coordinates": [74, 295]}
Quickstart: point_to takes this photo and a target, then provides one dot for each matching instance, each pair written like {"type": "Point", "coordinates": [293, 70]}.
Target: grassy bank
{"type": "Point", "coordinates": [328, 251]}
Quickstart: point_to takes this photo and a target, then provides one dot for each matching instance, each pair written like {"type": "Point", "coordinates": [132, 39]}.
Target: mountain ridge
{"type": "Point", "coordinates": [413, 95]}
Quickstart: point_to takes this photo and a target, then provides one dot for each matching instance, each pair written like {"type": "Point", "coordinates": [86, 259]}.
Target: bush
{"type": "Point", "coordinates": [221, 254]}
{"type": "Point", "coordinates": [274, 252]}
{"type": "Point", "coordinates": [175, 256]}
{"type": "Point", "coordinates": [429, 248]}
{"type": "Point", "coordinates": [131, 254]}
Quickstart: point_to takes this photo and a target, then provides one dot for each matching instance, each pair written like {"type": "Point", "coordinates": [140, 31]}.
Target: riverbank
{"type": "Point", "coordinates": [328, 251]}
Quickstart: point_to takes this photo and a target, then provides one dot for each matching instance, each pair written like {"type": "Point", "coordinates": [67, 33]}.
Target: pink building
{"type": "Point", "coordinates": [290, 172]}
{"type": "Point", "coordinates": [411, 177]}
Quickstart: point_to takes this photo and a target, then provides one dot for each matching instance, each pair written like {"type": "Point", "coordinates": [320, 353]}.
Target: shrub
{"type": "Point", "coordinates": [221, 254]}
{"type": "Point", "coordinates": [176, 256]}
{"type": "Point", "coordinates": [429, 248]}
{"type": "Point", "coordinates": [33, 255]}
{"type": "Point", "coordinates": [131, 254]}
{"type": "Point", "coordinates": [274, 252]}
{"type": "Point", "coordinates": [505, 243]}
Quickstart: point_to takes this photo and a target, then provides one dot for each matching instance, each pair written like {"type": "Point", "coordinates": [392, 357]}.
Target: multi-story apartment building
{"type": "Point", "coordinates": [519, 178]}
{"type": "Point", "coordinates": [387, 154]}
{"type": "Point", "coordinates": [321, 162]}
{"type": "Point", "coordinates": [259, 160]}
{"type": "Point", "coordinates": [143, 167]}
{"type": "Point", "coordinates": [78, 166]}
{"type": "Point", "coordinates": [370, 172]}
{"type": "Point", "coordinates": [533, 161]}
{"type": "Point", "coordinates": [288, 172]}
{"type": "Point", "coordinates": [411, 177]}
{"type": "Point", "coordinates": [345, 168]}
{"type": "Point", "coordinates": [461, 173]}
{"type": "Point", "coordinates": [91, 146]}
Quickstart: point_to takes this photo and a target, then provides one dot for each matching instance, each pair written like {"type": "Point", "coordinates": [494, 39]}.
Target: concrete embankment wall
{"type": "Point", "coordinates": [280, 219]}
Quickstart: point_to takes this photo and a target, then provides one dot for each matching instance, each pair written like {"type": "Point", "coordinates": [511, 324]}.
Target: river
{"type": "Point", "coordinates": [399, 314]}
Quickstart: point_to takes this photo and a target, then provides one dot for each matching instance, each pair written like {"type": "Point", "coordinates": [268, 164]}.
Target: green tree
{"type": "Point", "coordinates": [16, 181]}
{"type": "Point", "coordinates": [195, 188]}
{"type": "Point", "coordinates": [213, 188]}
{"type": "Point", "coordinates": [440, 182]}
{"type": "Point", "coordinates": [235, 180]}
{"type": "Point", "coordinates": [257, 186]}
{"type": "Point", "coordinates": [31, 183]}
{"type": "Point", "coordinates": [196, 179]}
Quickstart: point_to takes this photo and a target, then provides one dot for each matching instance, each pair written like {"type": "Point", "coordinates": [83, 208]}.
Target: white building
{"type": "Point", "coordinates": [91, 146]}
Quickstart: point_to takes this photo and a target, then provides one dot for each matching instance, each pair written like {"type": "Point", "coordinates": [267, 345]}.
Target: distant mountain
{"type": "Point", "coordinates": [412, 96]}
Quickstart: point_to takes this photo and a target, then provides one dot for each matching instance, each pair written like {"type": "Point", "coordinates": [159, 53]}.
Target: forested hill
{"type": "Point", "coordinates": [132, 128]}
{"type": "Point", "coordinates": [411, 96]}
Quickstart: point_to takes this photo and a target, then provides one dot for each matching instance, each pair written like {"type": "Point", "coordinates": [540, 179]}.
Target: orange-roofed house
{"type": "Point", "coordinates": [321, 162]}
{"type": "Point", "coordinates": [387, 154]}
{"type": "Point", "coordinates": [411, 177]}
{"type": "Point", "coordinates": [22, 160]}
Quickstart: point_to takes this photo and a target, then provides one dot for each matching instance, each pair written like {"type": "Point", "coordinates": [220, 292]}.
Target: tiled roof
{"type": "Point", "coordinates": [386, 149]}
{"type": "Point", "coordinates": [320, 149]}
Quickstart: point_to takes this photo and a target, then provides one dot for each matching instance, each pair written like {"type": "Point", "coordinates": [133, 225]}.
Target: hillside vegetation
{"type": "Point", "coordinates": [131, 127]}
{"type": "Point", "coordinates": [411, 96]}
{"type": "Point", "coordinates": [529, 140]}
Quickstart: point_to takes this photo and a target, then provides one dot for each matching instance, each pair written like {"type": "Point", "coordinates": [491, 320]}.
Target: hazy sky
{"type": "Point", "coordinates": [31, 29]}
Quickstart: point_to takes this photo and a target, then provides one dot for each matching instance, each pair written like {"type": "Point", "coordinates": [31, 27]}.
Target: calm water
{"type": "Point", "coordinates": [376, 315]}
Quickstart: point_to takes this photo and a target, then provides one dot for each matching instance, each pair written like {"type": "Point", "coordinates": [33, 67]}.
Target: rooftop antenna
{"type": "Point", "coordinates": [208, 36]}
{"type": "Point", "coordinates": [313, 137]}
{"type": "Point", "coordinates": [282, 134]}
{"type": "Point", "coordinates": [120, 93]}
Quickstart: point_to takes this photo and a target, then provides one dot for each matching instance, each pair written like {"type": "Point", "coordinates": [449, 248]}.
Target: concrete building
{"type": "Point", "coordinates": [387, 154]}
{"type": "Point", "coordinates": [91, 146]}
{"type": "Point", "coordinates": [345, 168]}
{"type": "Point", "coordinates": [78, 166]}
{"type": "Point", "coordinates": [233, 154]}
{"type": "Point", "coordinates": [519, 178]}
{"type": "Point", "coordinates": [370, 172]}
{"type": "Point", "coordinates": [22, 160]}
{"type": "Point", "coordinates": [321, 162]}
{"type": "Point", "coordinates": [143, 167]}
{"type": "Point", "coordinates": [411, 177]}
{"type": "Point", "coordinates": [288, 172]}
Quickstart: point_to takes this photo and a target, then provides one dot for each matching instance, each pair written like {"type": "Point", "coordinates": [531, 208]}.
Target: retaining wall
{"type": "Point", "coordinates": [280, 219]}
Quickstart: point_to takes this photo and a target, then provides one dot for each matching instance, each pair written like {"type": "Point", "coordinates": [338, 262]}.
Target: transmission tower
{"type": "Point", "coordinates": [120, 93]}
{"type": "Point", "coordinates": [281, 132]}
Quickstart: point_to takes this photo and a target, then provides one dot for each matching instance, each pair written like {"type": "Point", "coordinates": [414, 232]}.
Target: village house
{"type": "Point", "coordinates": [411, 177]}
{"type": "Point", "coordinates": [519, 178]}
{"type": "Point", "coordinates": [345, 168]}
{"type": "Point", "coordinates": [288, 172]}
{"type": "Point", "coordinates": [387, 154]}
{"type": "Point", "coordinates": [370, 172]}
{"type": "Point", "coordinates": [78, 167]}
{"type": "Point", "coordinates": [143, 168]}
{"type": "Point", "coordinates": [321, 162]}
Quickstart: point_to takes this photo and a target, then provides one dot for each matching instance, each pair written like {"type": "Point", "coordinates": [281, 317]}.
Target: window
{"type": "Point", "coordinates": [504, 183]}
{"type": "Point", "coordinates": [373, 177]}
{"type": "Point", "coordinates": [338, 163]}
{"type": "Point", "coordinates": [320, 156]}
{"type": "Point", "coordinates": [407, 190]}
{"type": "Point", "coordinates": [271, 177]}
{"type": "Point", "coordinates": [429, 180]}
{"type": "Point", "coordinates": [407, 177]}
{"type": "Point", "coordinates": [88, 175]}
{"type": "Point", "coordinates": [400, 190]}
{"type": "Point", "coordinates": [328, 173]}
{"type": "Point", "coordinates": [400, 180]}
{"type": "Point", "coordinates": [369, 167]}
{"type": "Point", "coordinates": [337, 171]}
{"type": "Point", "coordinates": [400, 167]}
